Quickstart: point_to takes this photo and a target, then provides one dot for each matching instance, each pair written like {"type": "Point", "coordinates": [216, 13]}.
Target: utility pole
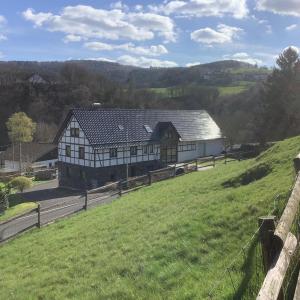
{"type": "Point", "coordinates": [128, 151]}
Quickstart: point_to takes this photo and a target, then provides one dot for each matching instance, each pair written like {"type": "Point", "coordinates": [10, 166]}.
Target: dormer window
{"type": "Point", "coordinates": [148, 128]}
{"type": "Point", "coordinates": [74, 132]}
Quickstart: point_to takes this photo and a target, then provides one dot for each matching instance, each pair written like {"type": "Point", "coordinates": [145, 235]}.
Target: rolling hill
{"type": "Point", "coordinates": [171, 240]}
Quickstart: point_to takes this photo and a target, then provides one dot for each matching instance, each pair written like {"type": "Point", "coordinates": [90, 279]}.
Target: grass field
{"type": "Point", "coordinates": [17, 210]}
{"type": "Point", "coordinates": [171, 240]}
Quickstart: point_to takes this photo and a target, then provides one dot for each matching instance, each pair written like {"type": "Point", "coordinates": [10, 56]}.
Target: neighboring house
{"type": "Point", "coordinates": [96, 146]}
{"type": "Point", "coordinates": [37, 79]}
{"type": "Point", "coordinates": [34, 155]}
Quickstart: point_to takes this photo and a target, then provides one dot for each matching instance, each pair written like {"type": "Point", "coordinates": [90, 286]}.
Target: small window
{"type": "Point", "coordinates": [81, 153]}
{"type": "Point", "coordinates": [121, 127]}
{"type": "Point", "coordinates": [74, 132]}
{"type": "Point", "coordinates": [151, 149]}
{"type": "Point", "coordinates": [133, 150]}
{"type": "Point", "coordinates": [145, 149]}
{"type": "Point", "coordinates": [113, 152]}
{"type": "Point", "coordinates": [148, 128]}
{"type": "Point", "coordinates": [68, 150]}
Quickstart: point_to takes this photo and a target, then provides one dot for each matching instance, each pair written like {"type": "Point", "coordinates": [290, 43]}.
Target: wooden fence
{"type": "Point", "coordinates": [97, 196]}
{"type": "Point", "coordinates": [280, 249]}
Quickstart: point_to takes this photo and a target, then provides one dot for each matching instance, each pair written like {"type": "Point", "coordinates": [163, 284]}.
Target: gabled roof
{"type": "Point", "coordinates": [31, 152]}
{"type": "Point", "coordinates": [100, 126]}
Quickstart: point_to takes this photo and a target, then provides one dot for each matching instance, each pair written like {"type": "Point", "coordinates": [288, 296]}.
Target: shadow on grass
{"type": "Point", "coordinates": [253, 273]}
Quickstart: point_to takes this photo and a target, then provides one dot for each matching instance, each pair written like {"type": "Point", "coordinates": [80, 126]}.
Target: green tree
{"type": "Point", "coordinates": [278, 114]}
{"type": "Point", "coordinates": [20, 130]}
{"type": "Point", "coordinates": [20, 183]}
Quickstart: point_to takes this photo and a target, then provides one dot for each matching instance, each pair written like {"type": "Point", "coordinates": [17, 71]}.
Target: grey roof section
{"type": "Point", "coordinates": [101, 125]}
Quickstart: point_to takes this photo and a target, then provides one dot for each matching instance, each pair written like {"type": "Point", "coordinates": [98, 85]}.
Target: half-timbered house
{"type": "Point", "coordinates": [96, 146]}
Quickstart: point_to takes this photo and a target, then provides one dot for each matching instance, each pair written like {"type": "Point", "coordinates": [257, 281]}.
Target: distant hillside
{"type": "Point", "coordinates": [221, 72]}
{"type": "Point", "coordinates": [47, 90]}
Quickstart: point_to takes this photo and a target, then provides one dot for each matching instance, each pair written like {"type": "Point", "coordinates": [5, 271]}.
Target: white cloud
{"type": "Point", "coordinates": [119, 5]}
{"type": "Point", "coordinates": [144, 62]}
{"type": "Point", "coordinates": [282, 7]}
{"type": "Point", "coordinates": [138, 7]}
{"type": "Point", "coordinates": [3, 21]}
{"type": "Point", "coordinates": [128, 47]}
{"type": "Point", "coordinates": [291, 27]}
{"type": "Point", "coordinates": [72, 38]}
{"type": "Point", "coordinates": [1, 55]}
{"type": "Point", "coordinates": [223, 34]}
{"type": "Point", "coordinates": [88, 22]}
{"type": "Point", "coordinates": [101, 59]}
{"type": "Point", "coordinates": [196, 63]}
{"type": "Point", "coordinates": [243, 57]}
{"type": "Point", "coordinates": [203, 8]}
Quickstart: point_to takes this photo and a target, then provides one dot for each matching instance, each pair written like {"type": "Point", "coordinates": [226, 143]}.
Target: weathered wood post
{"type": "Point", "coordinates": [120, 188]}
{"type": "Point", "coordinates": [225, 156]}
{"type": "Point", "coordinates": [214, 160]}
{"type": "Point", "coordinates": [196, 164]}
{"type": "Point", "coordinates": [39, 215]}
{"type": "Point", "coordinates": [174, 174]}
{"type": "Point", "coordinates": [266, 235]}
{"type": "Point", "coordinates": [297, 163]}
{"type": "Point", "coordinates": [86, 200]}
{"type": "Point", "coordinates": [239, 156]}
{"type": "Point", "coordinates": [150, 178]}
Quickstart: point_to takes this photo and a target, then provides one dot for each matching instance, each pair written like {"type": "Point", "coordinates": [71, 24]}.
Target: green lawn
{"type": "Point", "coordinates": [171, 240]}
{"type": "Point", "coordinates": [17, 210]}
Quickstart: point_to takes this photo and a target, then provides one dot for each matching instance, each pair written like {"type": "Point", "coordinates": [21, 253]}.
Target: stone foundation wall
{"type": "Point", "coordinates": [81, 177]}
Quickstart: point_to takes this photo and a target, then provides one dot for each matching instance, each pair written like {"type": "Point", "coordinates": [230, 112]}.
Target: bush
{"type": "Point", "coordinates": [20, 183]}
{"type": "Point", "coordinates": [4, 192]}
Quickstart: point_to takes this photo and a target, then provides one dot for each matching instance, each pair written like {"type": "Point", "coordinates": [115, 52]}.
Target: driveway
{"type": "Point", "coordinates": [49, 194]}
{"type": "Point", "coordinates": [55, 203]}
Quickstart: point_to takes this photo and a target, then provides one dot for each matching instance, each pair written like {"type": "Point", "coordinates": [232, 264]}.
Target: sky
{"type": "Point", "coordinates": [149, 33]}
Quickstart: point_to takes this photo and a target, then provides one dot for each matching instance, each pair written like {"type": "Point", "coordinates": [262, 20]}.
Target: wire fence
{"type": "Point", "coordinates": [243, 276]}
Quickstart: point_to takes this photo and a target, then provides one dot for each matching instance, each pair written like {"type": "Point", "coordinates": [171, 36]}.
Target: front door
{"type": "Point", "coordinates": [168, 153]}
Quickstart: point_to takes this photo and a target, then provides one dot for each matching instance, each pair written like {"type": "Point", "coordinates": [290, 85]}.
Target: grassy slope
{"type": "Point", "coordinates": [17, 210]}
{"type": "Point", "coordinates": [167, 241]}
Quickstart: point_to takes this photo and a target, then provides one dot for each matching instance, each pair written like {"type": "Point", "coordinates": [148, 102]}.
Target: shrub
{"type": "Point", "coordinates": [20, 183]}
{"type": "Point", "coordinates": [4, 192]}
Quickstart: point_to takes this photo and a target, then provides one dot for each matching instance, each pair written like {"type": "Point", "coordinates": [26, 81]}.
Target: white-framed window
{"type": "Point", "coordinates": [113, 152]}
{"type": "Point", "coordinates": [133, 150]}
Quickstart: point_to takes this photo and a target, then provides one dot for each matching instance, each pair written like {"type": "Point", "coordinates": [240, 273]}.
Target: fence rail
{"type": "Point", "coordinates": [280, 245]}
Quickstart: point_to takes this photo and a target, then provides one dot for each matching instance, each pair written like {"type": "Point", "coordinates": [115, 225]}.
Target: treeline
{"type": "Point", "coordinates": [266, 112]}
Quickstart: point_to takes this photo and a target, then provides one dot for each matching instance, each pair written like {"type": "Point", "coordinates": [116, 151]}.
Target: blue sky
{"type": "Point", "coordinates": [149, 33]}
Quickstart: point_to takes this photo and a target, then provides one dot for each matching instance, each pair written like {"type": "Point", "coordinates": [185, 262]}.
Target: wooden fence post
{"type": "Point", "coordinates": [150, 178]}
{"type": "Point", "coordinates": [214, 160]}
{"type": "Point", "coordinates": [86, 200]}
{"type": "Point", "coordinates": [39, 215]}
{"type": "Point", "coordinates": [225, 155]}
{"type": "Point", "coordinates": [196, 164]}
{"type": "Point", "coordinates": [266, 235]}
{"type": "Point", "coordinates": [120, 188]}
{"type": "Point", "coordinates": [174, 175]}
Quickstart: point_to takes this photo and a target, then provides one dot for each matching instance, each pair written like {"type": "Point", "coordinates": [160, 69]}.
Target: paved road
{"type": "Point", "coordinates": [49, 194]}
{"type": "Point", "coordinates": [55, 203]}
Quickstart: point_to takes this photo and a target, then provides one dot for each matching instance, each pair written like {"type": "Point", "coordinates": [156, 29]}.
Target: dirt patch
{"type": "Point", "coordinates": [252, 174]}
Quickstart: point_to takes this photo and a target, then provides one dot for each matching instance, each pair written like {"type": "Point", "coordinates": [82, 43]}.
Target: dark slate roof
{"type": "Point", "coordinates": [101, 125]}
{"type": "Point", "coordinates": [32, 152]}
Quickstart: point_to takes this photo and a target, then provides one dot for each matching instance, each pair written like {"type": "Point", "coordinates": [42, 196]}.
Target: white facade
{"type": "Point", "coordinates": [14, 166]}
{"type": "Point", "coordinates": [191, 150]}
